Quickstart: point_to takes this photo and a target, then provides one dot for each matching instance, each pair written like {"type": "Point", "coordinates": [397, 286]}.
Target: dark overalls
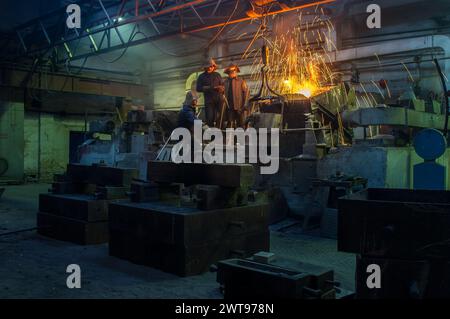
{"type": "Point", "coordinates": [213, 99]}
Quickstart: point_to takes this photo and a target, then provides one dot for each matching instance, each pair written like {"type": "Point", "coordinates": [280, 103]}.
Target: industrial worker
{"type": "Point", "coordinates": [187, 115]}
{"type": "Point", "coordinates": [237, 95]}
{"type": "Point", "coordinates": [210, 83]}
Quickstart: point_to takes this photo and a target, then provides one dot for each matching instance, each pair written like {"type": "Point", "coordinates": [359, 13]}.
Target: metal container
{"type": "Point", "coordinates": [395, 223]}
{"type": "Point", "coordinates": [284, 278]}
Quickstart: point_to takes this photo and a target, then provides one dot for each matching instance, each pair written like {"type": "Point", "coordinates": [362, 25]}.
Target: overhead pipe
{"type": "Point", "coordinates": [393, 47]}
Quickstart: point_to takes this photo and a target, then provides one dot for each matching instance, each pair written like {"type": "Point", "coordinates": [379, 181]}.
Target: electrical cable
{"type": "Point", "coordinates": [226, 24]}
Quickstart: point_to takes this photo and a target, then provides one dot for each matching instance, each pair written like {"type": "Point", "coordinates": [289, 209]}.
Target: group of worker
{"type": "Point", "coordinates": [226, 100]}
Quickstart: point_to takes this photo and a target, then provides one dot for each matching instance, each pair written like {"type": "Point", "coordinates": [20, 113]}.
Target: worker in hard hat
{"type": "Point", "coordinates": [210, 83]}
{"type": "Point", "coordinates": [237, 96]}
{"type": "Point", "coordinates": [187, 114]}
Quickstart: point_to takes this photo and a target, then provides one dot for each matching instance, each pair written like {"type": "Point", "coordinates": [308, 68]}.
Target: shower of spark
{"type": "Point", "coordinates": [298, 57]}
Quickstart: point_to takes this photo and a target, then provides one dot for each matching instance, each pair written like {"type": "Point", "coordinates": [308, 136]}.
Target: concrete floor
{"type": "Point", "coordinates": [32, 266]}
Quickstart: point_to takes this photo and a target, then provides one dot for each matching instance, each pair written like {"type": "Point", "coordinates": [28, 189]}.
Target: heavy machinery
{"type": "Point", "coordinates": [129, 145]}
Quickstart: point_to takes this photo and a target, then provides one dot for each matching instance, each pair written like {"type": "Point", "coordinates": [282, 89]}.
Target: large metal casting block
{"type": "Point", "coordinates": [186, 260]}
{"type": "Point", "coordinates": [143, 192]}
{"type": "Point", "coordinates": [101, 175]}
{"type": "Point", "coordinates": [111, 192]}
{"type": "Point", "coordinates": [79, 207]}
{"type": "Point", "coordinates": [215, 197]}
{"type": "Point", "coordinates": [66, 187]}
{"type": "Point", "coordinates": [173, 225]}
{"type": "Point", "coordinates": [395, 223]}
{"type": "Point", "coordinates": [225, 175]}
{"type": "Point", "coordinates": [72, 230]}
{"type": "Point", "coordinates": [184, 240]}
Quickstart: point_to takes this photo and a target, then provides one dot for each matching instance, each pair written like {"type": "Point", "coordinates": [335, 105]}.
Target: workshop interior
{"type": "Point", "coordinates": [229, 149]}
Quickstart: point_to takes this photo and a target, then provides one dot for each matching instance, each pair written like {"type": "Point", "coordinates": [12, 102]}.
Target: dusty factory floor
{"type": "Point", "coordinates": [32, 266]}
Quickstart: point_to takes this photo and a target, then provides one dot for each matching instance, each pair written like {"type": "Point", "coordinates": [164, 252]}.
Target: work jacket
{"type": "Point", "coordinates": [186, 117]}
{"type": "Point", "coordinates": [211, 80]}
{"type": "Point", "coordinates": [239, 94]}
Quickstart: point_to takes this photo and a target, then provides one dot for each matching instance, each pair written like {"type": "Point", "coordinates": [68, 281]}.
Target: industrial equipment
{"type": "Point", "coordinates": [403, 231]}
{"type": "Point", "coordinates": [131, 144]}
{"type": "Point", "coordinates": [267, 276]}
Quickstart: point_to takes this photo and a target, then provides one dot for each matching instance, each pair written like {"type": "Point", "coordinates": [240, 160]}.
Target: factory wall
{"type": "Point", "coordinates": [169, 94]}
{"type": "Point", "coordinates": [11, 139]}
{"type": "Point", "coordinates": [47, 143]}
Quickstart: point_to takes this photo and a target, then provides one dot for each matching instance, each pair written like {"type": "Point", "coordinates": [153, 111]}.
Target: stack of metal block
{"type": "Point", "coordinates": [188, 217]}
{"type": "Point", "coordinates": [76, 209]}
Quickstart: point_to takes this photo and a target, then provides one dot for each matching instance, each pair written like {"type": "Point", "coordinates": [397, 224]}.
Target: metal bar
{"type": "Point", "coordinates": [45, 32]}
{"type": "Point", "coordinates": [69, 53]}
{"type": "Point", "coordinates": [216, 7]}
{"type": "Point", "coordinates": [132, 34]}
{"type": "Point", "coordinates": [154, 25]}
{"type": "Point", "coordinates": [206, 19]}
{"type": "Point", "coordinates": [150, 19]}
{"type": "Point", "coordinates": [110, 21]}
{"type": "Point", "coordinates": [166, 11]}
{"type": "Point", "coordinates": [444, 87]}
{"type": "Point", "coordinates": [106, 12]}
{"type": "Point", "coordinates": [76, 32]}
{"type": "Point", "coordinates": [151, 5]}
{"type": "Point", "coordinates": [91, 38]}
{"type": "Point", "coordinates": [122, 6]}
{"type": "Point", "coordinates": [156, 14]}
{"type": "Point", "coordinates": [119, 35]}
{"type": "Point", "coordinates": [105, 34]}
{"type": "Point", "coordinates": [202, 28]}
{"type": "Point", "coordinates": [21, 40]}
{"type": "Point", "coordinates": [181, 21]}
{"type": "Point", "coordinates": [303, 6]}
{"type": "Point", "coordinates": [171, 19]}
{"type": "Point", "coordinates": [93, 31]}
{"type": "Point", "coordinates": [198, 16]}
